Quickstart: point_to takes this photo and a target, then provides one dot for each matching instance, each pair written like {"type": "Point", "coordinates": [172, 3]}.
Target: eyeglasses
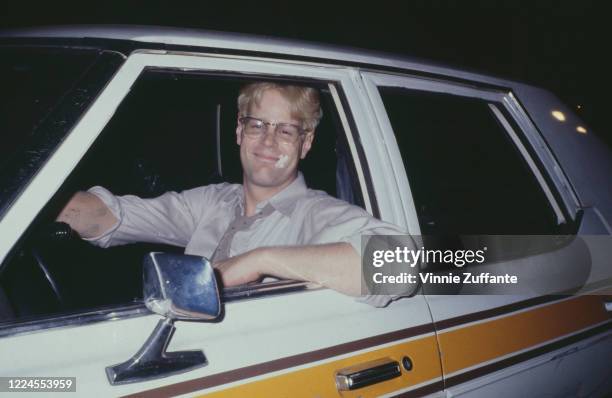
{"type": "Point", "coordinates": [283, 132]}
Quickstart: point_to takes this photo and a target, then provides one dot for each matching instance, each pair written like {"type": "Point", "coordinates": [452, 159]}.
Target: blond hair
{"type": "Point", "coordinates": [305, 104]}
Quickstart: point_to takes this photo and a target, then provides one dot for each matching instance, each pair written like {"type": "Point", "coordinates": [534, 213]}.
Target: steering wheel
{"type": "Point", "coordinates": [51, 236]}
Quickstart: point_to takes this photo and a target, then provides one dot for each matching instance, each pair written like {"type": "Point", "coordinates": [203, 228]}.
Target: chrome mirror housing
{"type": "Point", "coordinates": [178, 287]}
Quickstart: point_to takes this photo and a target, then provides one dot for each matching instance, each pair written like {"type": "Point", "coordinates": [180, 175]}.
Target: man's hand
{"type": "Point", "coordinates": [241, 269]}
{"type": "Point", "coordinates": [87, 215]}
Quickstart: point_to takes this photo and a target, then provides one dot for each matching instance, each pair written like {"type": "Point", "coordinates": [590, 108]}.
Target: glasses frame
{"type": "Point", "coordinates": [245, 119]}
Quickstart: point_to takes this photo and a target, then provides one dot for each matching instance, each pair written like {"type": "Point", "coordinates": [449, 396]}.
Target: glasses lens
{"type": "Point", "coordinates": [287, 132]}
{"type": "Point", "coordinates": [253, 126]}
{"type": "Point", "coordinates": [254, 123]}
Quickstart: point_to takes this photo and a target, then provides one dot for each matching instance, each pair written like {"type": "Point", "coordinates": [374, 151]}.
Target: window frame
{"type": "Point", "coordinates": [78, 141]}
{"type": "Point", "coordinates": [538, 157]}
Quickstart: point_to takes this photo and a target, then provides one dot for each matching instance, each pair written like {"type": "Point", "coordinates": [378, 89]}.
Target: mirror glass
{"type": "Point", "coordinates": [180, 287]}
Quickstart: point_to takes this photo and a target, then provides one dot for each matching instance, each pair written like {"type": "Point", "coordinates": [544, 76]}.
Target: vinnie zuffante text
{"type": "Point", "coordinates": [458, 258]}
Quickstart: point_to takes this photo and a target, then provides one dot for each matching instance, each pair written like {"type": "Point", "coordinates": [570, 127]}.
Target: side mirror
{"type": "Point", "coordinates": [178, 287]}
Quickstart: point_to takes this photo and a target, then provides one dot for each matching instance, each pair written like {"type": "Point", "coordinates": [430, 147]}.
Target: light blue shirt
{"type": "Point", "coordinates": [212, 218]}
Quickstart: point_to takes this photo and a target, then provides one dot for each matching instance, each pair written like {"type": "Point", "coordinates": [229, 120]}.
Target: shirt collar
{"type": "Point", "coordinates": [284, 201]}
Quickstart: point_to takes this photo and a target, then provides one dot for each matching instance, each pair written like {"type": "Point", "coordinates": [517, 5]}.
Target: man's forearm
{"type": "Point", "coordinates": [87, 215]}
{"type": "Point", "coordinates": [334, 265]}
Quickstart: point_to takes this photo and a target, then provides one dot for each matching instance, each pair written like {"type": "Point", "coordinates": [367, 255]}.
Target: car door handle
{"type": "Point", "coordinates": [608, 305]}
{"type": "Point", "coordinates": [366, 374]}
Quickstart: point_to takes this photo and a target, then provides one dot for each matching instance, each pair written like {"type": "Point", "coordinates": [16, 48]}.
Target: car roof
{"type": "Point", "coordinates": [188, 37]}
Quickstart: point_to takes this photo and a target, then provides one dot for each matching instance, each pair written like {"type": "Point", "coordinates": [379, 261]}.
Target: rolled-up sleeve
{"type": "Point", "coordinates": [337, 221]}
{"type": "Point", "coordinates": [170, 218]}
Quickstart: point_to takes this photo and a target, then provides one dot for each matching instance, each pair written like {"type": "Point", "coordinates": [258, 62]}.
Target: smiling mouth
{"type": "Point", "coordinates": [266, 159]}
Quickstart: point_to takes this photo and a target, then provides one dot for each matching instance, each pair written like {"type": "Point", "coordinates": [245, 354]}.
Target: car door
{"type": "Point", "coordinates": [473, 169]}
{"type": "Point", "coordinates": [288, 340]}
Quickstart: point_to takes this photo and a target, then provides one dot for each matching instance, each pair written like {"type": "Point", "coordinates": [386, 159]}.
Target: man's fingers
{"type": "Point", "coordinates": [236, 271]}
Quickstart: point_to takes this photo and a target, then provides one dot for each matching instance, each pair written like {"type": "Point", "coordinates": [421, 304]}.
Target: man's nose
{"type": "Point", "coordinates": [269, 136]}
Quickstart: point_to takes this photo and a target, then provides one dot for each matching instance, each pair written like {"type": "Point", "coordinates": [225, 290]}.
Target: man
{"type": "Point", "coordinates": [272, 224]}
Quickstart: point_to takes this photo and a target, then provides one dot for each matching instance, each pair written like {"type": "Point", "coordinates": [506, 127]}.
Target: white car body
{"type": "Point", "coordinates": [293, 344]}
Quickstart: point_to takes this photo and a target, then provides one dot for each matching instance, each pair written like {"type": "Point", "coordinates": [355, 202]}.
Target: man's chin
{"type": "Point", "coordinates": [269, 180]}
{"type": "Point", "coordinates": [266, 182]}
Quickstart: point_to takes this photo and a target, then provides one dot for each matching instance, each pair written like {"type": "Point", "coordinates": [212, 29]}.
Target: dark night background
{"type": "Point", "coordinates": [560, 45]}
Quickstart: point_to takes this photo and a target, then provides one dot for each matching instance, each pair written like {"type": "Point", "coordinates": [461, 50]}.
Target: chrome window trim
{"type": "Point", "coordinates": [265, 289]}
{"type": "Point", "coordinates": [534, 168]}
{"type": "Point", "coordinates": [20, 326]}
{"type": "Point", "coordinates": [544, 153]}
{"type": "Point", "coordinates": [126, 311]}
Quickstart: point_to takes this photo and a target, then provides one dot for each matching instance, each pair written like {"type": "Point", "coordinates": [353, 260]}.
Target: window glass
{"type": "Point", "coordinates": [174, 131]}
{"type": "Point", "coordinates": [465, 173]}
{"type": "Point", "coordinates": [33, 82]}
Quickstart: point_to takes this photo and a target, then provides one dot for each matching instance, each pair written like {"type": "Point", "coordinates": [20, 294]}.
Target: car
{"type": "Point", "coordinates": [442, 152]}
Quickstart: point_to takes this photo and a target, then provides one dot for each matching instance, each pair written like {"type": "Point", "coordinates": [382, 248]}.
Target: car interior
{"type": "Point", "coordinates": [174, 131]}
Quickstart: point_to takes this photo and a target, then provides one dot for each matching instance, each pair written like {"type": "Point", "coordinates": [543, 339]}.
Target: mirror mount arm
{"type": "Point", "coordinates": [152, 361]}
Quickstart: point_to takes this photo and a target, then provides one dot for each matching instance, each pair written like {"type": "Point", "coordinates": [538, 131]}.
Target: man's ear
{"type": "Point", "coordinates": [306, 144]}
{"type": "Point", "coordinates": [238, 131]}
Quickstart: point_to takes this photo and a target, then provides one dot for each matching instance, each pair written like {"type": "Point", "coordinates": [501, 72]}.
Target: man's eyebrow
{"type": "Point", "coordinates": [295, 121]}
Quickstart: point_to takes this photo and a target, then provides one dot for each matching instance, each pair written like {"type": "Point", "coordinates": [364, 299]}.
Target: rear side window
{"type": "Point", "coordinates": [465, 173]}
